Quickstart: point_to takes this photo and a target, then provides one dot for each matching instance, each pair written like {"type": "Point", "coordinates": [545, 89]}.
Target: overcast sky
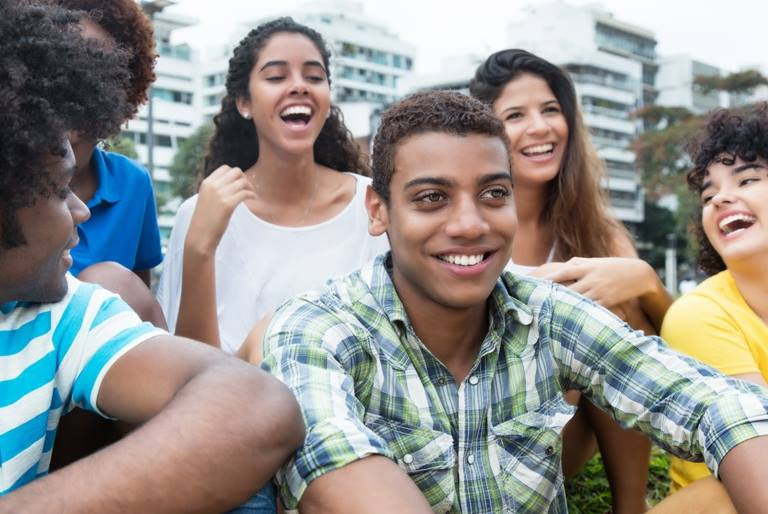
{"type": "Point", "coordinates": [730, 34]}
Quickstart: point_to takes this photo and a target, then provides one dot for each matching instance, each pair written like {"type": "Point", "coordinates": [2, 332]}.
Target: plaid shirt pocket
{"type": "Point", "coordinates": [527, 451]}
{"type": "Point", "coordinates": [426, 455]}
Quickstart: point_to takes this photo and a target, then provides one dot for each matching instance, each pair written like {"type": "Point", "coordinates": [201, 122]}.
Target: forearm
{"type": "Point", "coordinates": [197, 317]}
{"type": "Point", "coordinates": [217, 441]}
{"type": "Point", "coordinates": [742, 471]}
{"type": "Point", "coordinates": [372, 485]}
{"type": "Point", "coordinates": [656, 300]}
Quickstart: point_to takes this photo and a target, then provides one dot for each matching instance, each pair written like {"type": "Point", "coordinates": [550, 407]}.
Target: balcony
{"type": "Point", "coordinates": [602, 80]}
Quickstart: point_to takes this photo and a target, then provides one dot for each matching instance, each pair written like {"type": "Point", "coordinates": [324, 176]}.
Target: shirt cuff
{"type": "Point", "coordinates": [329, 445]}
{"type": "Point", "coordinates": [733, 419]}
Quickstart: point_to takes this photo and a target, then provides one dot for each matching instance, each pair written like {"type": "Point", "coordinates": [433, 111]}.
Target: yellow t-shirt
{"type": "Point", "coordinates": [714, 324]}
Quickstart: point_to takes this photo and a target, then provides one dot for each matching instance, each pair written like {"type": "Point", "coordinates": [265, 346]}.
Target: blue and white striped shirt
{"type": "Point", "coordinates": [53, 356]}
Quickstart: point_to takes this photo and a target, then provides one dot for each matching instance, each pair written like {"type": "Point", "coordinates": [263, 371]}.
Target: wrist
{"type": "Point", "coordinates": [198, 251]}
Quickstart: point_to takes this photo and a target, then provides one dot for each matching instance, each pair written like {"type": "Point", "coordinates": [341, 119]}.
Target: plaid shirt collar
{"type": "Point", "coordinates": [504, 309]}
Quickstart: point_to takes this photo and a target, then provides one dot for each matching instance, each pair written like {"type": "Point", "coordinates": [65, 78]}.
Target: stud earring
{"type": "Point", "coordinates": [246, 115]}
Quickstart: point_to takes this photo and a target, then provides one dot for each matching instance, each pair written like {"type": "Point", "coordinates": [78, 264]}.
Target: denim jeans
{"type": "Point", "coordinates": [263, 502]}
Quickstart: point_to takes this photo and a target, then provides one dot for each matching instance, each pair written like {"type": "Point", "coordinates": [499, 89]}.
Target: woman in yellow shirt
{"type": "Point", "coordinates": [724, 321]}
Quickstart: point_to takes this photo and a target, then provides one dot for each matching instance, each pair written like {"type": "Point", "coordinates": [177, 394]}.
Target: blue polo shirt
{"type": "Point", "coordinates": [123, 223]}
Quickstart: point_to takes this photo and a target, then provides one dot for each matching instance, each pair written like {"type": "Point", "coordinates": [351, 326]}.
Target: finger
{"type": "Point", "coordinates": [546, 269]}
{"type": "Point", "coordinates": [581, 288]}
{"type": "Point", "coordinates": [566, 273]}
{"type": "Point", "coordinates": [218, 172]}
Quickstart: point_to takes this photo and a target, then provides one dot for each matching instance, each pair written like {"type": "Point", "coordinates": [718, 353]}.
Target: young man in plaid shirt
{"type": "Point", "coordinates": [430, 381]}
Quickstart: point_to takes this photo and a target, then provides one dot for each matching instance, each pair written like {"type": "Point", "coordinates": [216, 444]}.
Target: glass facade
{"type": "Point", "coordinates": [612, 38]}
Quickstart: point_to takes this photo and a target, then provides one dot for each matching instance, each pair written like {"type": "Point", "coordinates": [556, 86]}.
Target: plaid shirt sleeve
{"type": "Point", "coordinates": [318, 356]}
{"type": "Point", "coordinates": [685, 406]}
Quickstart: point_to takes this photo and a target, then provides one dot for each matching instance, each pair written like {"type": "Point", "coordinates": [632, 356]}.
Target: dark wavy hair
{"type": "Point", "coordinates": [50, 78]}
{"type": "Point", "coordinates": [730, 133]}
{"type": "Point", "coordinates": [132, 31]}
{"type": "Point", "coordinates": [235, 141]}
{"type": "Point", "coordinates": [433, 111]}
{"type": "Point", "coordinates": [576, 204]}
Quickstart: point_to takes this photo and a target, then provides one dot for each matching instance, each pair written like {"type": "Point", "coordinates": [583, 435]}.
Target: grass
{"type": "Point", "coordinates": [588, 492]}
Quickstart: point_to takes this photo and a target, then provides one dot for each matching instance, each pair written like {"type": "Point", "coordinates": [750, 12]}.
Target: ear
{"type": "Point", "coordinates": [243, 106]}
{"type": "Point", "coordinates": [378, 215]}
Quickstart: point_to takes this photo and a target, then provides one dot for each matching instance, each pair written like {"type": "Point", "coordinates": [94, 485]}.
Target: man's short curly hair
{"type": "Point", "coordinates": [730, 133]}
{"type": "Point", "coordinates": [47, 70]}
{"type": "Point", "coordinates": [434, 111]}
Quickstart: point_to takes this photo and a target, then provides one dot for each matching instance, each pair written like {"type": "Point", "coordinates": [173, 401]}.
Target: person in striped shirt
{"type": "Point", "coordinates": [431, 381]}
{"type": "Point", "coordinates": [213, 430]}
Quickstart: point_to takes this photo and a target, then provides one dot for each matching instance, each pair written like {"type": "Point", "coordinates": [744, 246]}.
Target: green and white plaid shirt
{"type": "Point", "coordinates": [367, 385]}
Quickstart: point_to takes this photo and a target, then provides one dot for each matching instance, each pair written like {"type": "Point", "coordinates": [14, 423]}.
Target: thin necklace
{"type": "Point", "coordinates": [252, 176]}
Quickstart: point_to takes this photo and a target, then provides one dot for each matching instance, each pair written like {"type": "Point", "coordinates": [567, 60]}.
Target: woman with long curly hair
{"type": "Point", "coordinates": [281, 208]}
{"type": "Point", "coordinates": [724, 321]}
{"type": "Point", "coordinates": [567, 234]}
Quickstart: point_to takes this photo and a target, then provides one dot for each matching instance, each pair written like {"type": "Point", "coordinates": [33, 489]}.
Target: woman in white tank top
{"type": "Point", "coordinates": [274, 215]}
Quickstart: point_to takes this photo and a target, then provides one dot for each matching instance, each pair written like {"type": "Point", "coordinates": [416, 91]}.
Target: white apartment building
{"type": "Point", "coordinates": [176, 109]}
{"type": "Point", "coordinates": [677, 86]}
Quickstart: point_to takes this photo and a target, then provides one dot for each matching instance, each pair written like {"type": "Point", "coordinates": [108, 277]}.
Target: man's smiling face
{"type": "Point", "coordinates": [35, 271]}
{"type": "Point", "coordinates": [450, 217]}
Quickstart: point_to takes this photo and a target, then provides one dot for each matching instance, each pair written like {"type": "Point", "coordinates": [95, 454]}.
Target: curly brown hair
{"type": "Point", "coordinates": [50, 78]}
{"type": "Point", "coordinates": [433, 111]}
{"type": "Point", "coordinates": [576, 204]}
{"type": "Point", "coordinates": [235, 141]}
{"type": "Point", "coordinates": [132, 30]}
{"type": "Point", "coordinates": [730, 133]}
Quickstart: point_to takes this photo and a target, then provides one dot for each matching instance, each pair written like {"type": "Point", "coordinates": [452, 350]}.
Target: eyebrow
{"type": "Point", "coordinates": [518, 107]}
{"type": "Point", "coordinates": [747, 166]}
{"type": "Point", "coordinates": [736, 170]}
{"type": "Point", "coordinates": [313, 64]}
{"type": "Point", "coordinates": [439, 181]}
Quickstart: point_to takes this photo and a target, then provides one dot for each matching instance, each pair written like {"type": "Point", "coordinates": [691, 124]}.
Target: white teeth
{"type": "Point", "coordinates": [462, 260]}
{"type": "Point", "coordinates": [726, 222]}
{"type": "Point", "coordinates": [538, 149]}
{"type": "Point", "coordinates": [296, 109]}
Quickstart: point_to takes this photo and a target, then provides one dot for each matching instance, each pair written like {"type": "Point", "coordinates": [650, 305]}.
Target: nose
{"type": "Point", "coordinates": [77, 209]}
{"type": "Point", "coordinates": [466, 220]}
{"type": "Point", "coordinates": [299, 86]}
{"type": "Point", "coordinates": [722, 197]}
{"type": "Point", "coordinates": [538, 125]}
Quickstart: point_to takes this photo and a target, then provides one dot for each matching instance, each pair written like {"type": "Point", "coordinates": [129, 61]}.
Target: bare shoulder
{"type": "Point", "coordinates": [338, 188]}
{"type": "Point", "coordinates": [622, 244]}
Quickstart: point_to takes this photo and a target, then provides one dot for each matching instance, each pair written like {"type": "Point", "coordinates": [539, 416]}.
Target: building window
{"type": "Point", "coordinates": [594, 75]}
{"type": "Point", "coordinates": [213, 99]}
{"type": "Point", "coordinates": [170, 95]}
{"type": "Point", "coordinates": [161, 140]}
{"type": "Point", "coordinates": [601, 106]}
{"type": "Point", "coordinates": [614, 39]}
{"type": "Point", "coordinates": [610, 138]}
{"type": "Point", "coordinates": [216, 79]}
{"type": "Point", "coordinates": [181, 52]}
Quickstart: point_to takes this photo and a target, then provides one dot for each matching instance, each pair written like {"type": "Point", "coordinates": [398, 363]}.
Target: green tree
{"type": "Point", "coordinates": [122, 145]}
{"type": "Point", "coordinates": [186, 164]}
{"type": "Point", "coordinates": [740, 82]}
